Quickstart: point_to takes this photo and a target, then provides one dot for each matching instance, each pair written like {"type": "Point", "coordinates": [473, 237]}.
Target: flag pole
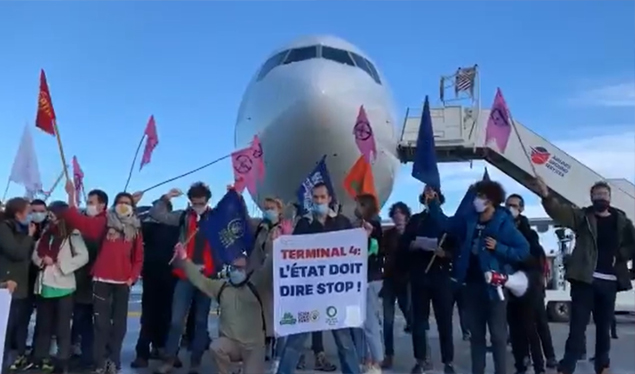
{"type": "Point", "coordinates": [522, 144]}
{"type": "Point", "coordinates": [57, 181]}
{"type": "Point", "coordinates": [6, 190]}
{"type": "Point", "coordinates": [186, 174]}
{"type": "Point", "coordinates": [61, 148]}
{"type": "Point", "coordinates": [134, 160]}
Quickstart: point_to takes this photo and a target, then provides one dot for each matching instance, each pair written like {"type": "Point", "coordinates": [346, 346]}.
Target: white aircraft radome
{"type": "Point", "coordinates": [303, 103]}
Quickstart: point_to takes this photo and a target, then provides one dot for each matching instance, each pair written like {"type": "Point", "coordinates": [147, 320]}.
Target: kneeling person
{"type": "Point", "coordinates": [242, 323]}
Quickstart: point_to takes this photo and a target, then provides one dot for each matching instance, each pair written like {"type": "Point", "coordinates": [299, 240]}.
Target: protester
{"type": "Point", "coordinates": [83, 329]}
{"type": "Point", "coordinates": [596, 270]}
{"type": "Point", "coordinates": [419, 245]}
{"type": "Point", "coordinates": [371, 346]}
{"type": "Point", "coordinates": [488, 241]}
{"type": "Point", "coordinates": [16, 244]}
{"type": "Point", "coordinates": [116, 268]}
{"type": "Point", "coordinates": [242, 323]}
{"type": "Point", "coordinates": [522, 311]}
{"type": "Point", "coordinates": [58, 254]}
{"type": "Point", "coordinates": [200, 253]}
{"type": "Point", "coordinates": [395, 285]}
{"type": "Point", "coordinates": [321, 219]}
{"type": "Point", "coordinates": [158, 287]}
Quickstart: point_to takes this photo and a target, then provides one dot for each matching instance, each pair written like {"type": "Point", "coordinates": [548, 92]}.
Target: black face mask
{"type": "Point", "coordinates": [601, 205]}
{"type": "Point", "coordinates": [358, 214]}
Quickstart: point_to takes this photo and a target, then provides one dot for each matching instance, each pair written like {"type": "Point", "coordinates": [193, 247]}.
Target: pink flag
{"type": "Point", "coordinates": [364, 136]}
{"type": "Point", "coordinates": [256, 148]}
{"type": "Point", "coordinates": [499, 126]}
{"type": "Point", "coordinates": [152, 140]}
{"type": "Point", "coordinates": [249, 168]}
{"type": "Point", "coordinates": [78, 180]}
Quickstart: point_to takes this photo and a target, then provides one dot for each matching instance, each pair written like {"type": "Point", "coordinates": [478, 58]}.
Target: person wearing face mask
{"type": "Point", "coordinates": [597, 268]}
{"type": "Point", "coordinates": [58, 253]}
{"type": "Point", "coordinates": [523, 312]}
{"type": "Point", "coordinates": [16, 244]}
{"type": "Point", "coordinates": [242, 322]}
{"type": "Point", "coordinates": [200, 253]}
{"type": "Point", "coordinates": [82, 331]}
{"type": "Point", "coordinates": [320, 219]}
{"type": "Point", "coordinates": [419, 245]}
{"type": "Point", "coordinates": [395, 286]}
{"type": "Point", "coordinates": [487, 241]}
{"type": "Point", "coordinates": [116, 268]}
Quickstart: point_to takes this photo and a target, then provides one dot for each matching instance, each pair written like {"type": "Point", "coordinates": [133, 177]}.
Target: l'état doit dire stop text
{"type": "Point", "coordinates": [295, 270]}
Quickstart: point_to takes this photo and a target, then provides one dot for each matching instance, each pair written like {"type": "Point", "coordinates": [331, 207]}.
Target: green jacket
{"type": "Point", "coordinates": [582, 262]}
{"type": "Point", "coordinates": [15, 257]}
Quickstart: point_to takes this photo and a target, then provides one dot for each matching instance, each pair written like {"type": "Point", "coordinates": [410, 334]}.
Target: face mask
{"type": "Point", "coordinates": [320, 209]}
{"type": "Point", "coordinates": [479, 204]}
{"type": "Point", "coordinates": [199, 209]}
{"type": "Point", "coordinates": [514, 212]}
{"type": "Point", "coordinates": [600, 205]}
{"type": "Point", "coordinates": [91, 210]}
{"type": "Point", "coordinates": [237, 277]}
{"type": "Point", "coordinates": [38, 217]}
{"type": "Point", "coordinates": [271, 215]}
{"type": "Point", "coordinates": [123, 210]}
{"type": "Point", "coordinates": [26, 221]}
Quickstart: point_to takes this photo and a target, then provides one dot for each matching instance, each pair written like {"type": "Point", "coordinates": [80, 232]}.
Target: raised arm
{"type": "Point", "coordinates": [161, 213]}
{"type": "Point", "coordinates": [93, 228]}
{"type": "Point", "coordinates": [13, 248]}
{"type": "Point", "coordinates": [564, 214]}
{"type": "Point", "coordinates": [210, 287]}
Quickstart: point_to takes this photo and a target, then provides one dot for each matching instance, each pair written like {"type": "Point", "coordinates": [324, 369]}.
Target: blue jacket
{"type": "Point", "coordinates": [511, 246]}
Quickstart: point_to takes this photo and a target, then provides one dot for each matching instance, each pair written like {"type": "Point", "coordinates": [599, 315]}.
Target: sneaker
{"type": "Point", "coordinates": [449, 369]}
{"type": "Point", "coordinates": [139, 363]}
{"type": "Point", "coordinates": [18, 363]}
{"type": "Point", "coordinates": [417, 369]}
{"type": "Point", "coordinates": [374, 369]}
{"type": "Point", "coordinates": [44, 366]}
{"type": "Point", "coordinates": [322, 364]}
{"type": "Point", "coordinates": [274, 366]}
{"type": "Point", "coordinates": [165, 367]}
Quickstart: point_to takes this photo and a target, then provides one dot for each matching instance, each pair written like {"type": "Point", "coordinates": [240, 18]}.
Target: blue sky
{"type": "Point", "coordinates": [566, 69]}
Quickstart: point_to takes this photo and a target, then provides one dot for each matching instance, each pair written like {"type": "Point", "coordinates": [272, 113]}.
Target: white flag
{"type": "Point", "coordinates": [25, 170]}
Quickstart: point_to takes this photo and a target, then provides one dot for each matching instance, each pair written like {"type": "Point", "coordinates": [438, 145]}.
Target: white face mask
{"type": "Point", "coordinates": [91, 210]}
{"type": "Point", "coordinates": [514, 212]}
{"type": "Point", "coordinates": [199, 209]}
{"type": "Point", "coordinates": [38, 217]}
{"type": "Point", "coordinates": [479, 204]}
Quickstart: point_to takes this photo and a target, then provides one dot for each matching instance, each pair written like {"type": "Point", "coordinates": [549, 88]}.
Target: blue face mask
{"type": "Point", "coordinates": [25, 222]}
{"type": "Point", "coordinates": [320, 209]}
{"type": "Point", "coordinates": [237, 277]}
{"type": "Point", "coordinates": [271, 215]}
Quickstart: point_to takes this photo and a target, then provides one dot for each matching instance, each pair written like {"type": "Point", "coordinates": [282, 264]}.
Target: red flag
{"type": "Point", "coordinates": [45, 118]}
{"type": "Point", "coordinates": [78, 180]}
{"type": "Point", "coordinates": [152, 140]}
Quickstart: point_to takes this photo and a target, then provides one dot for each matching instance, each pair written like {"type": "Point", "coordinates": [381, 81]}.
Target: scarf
{"type": "Point", "coordinates": [117, 226]}
{"type": "Point", "coordinates": [50, 243]}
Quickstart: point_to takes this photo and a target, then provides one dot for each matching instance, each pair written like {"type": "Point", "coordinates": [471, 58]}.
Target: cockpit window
{"type": "Point", "coordinates": [272, 63]}
{"type": "Point", "coordinates": [365, 65]}
{"type": "Point", "coordinates": [337, 55]}
{"type": "Point", "coordinates": [301, 54]}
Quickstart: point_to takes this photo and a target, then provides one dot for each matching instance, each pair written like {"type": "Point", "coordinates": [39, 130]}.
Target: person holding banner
{"type": "Point", "coordinates": [429, 267]}
{"type": "Point", "coordinates": [16, 243]}
{"type": "Point", "coordinates": [200, 252]}
{"type": "Point", "coordinates": [488, 241]}
{"type": "Point", "coordinates": [321, 219]}
{"type": "Point", "coordinates": [117, 267]}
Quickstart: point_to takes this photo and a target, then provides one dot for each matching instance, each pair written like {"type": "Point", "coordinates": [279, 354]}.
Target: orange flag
{"type": "Point", "coordinates": [45, 119]}
{"type": "Point", "coordinates": [359, 179]}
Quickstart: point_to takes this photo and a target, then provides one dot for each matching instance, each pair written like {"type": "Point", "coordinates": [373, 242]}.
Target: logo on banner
{"type": "Point", "coordinates": [541, 156]}
{"type": "Point", "coordinates": [288, 319]}
{"type": "Point", "coordinates": [331, 315]}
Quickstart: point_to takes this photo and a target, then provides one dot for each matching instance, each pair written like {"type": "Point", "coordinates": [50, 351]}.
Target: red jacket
{"type": "Point", "coordinates": [117, 260]}
{"type": "Point", "coordinates": [188, 226]}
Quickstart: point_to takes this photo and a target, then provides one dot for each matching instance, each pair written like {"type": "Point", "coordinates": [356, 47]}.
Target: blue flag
{"type": "Point", "coordinates": [466, 206]}
{"type": "Point", "coordinates": [425, 167]}
{"type": "Point", "coordinates": [319, 175]}
{"type": "Point", "coordinates": [227, 230]}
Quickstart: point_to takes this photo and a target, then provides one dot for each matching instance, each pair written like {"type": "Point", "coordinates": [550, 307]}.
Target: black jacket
{"type": "Point", "coordinates": [533, 266]}
{"type": "Point", "coordinates": [376, 262]}
{"type": "Point", "coordinates": [158, 243]}
{"type": "Point", "coordinates": [15, 257]}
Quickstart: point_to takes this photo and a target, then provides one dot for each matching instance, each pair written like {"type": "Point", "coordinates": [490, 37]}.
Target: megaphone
{"type": "Point", "coordinates": [516, 283]}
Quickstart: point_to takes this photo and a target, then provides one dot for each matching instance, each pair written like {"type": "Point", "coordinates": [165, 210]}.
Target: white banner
{"type": "Point", "coordinates": [5, 306]}
{"type": "Point", "coordinates": [320, 281]}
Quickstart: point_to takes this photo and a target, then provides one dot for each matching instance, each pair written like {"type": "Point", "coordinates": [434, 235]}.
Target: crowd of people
{"type": "Point", "coordinates": [74, 269]}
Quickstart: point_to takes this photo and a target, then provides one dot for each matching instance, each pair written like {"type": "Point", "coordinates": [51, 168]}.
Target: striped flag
{"type": "Point", "coordinates": [464, 80]}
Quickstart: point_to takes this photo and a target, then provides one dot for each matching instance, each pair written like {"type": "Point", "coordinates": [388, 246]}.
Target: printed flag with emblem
{"type": "Point", "coordinates": [259, 165]}
{"type": "Point", "coordinates": [78, 180]}
{"type": "Point", "coordinates": [152, 140]}
{"type": "Point", "coordinates": [499, 126]}
{"type": "Point", "coordinates": [45, 118]}
{"type": "Point", "coordinates": [320, 174]}
{"type": "Point", "coordinates": [364, 136]}
{"type": "Point", "coordinates": [248, 165]}
{"type": "Point", "coordinates": [359, 180]}
{"type": "Point", "coordinates": [227, 230]}
{"type": "Point", "coordinates": [464, 80]}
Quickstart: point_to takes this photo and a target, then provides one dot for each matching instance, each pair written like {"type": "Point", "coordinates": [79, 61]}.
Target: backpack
{"type": "Point", "coordinates": [254, 291]}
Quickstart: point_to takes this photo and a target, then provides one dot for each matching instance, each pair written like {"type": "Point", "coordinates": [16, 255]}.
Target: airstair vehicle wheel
{"type": "Point", "coordinates": [558, 311]}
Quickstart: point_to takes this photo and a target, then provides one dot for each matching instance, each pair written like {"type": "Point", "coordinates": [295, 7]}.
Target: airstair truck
{"type": "Point", "coordinates": [459, 137]}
